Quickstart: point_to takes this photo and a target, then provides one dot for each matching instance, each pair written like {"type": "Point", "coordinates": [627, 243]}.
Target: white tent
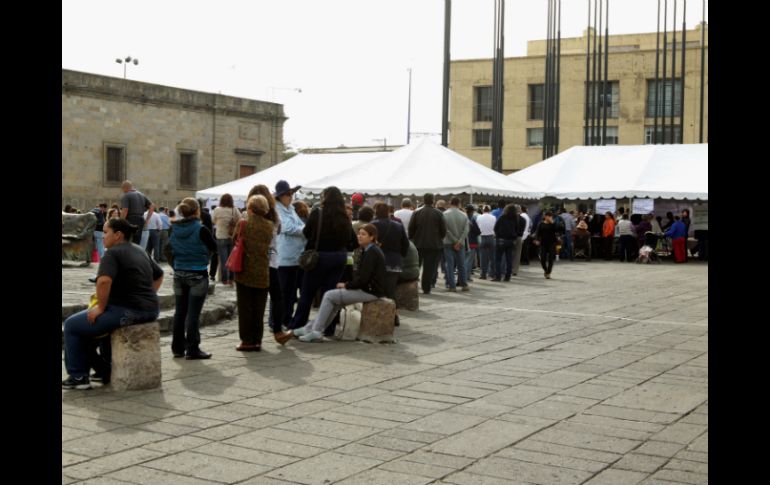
{"type": "Point", "coordinates": [420, 167]}
{"type": "Point", "coordinates": [297, 170]}
{"type": "Point", "coordinates": [622, 171]}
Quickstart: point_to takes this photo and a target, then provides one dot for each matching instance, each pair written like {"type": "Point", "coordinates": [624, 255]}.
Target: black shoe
{"type": "Point", "coordinates": [482, 277]}
{"type": "Point", "coordinates": [507, 278]}
{"type": "Point", "coordinates": [197, 355]}
{"type": "Point", "coordinates": [103, 377]}
{"type": "Point", "coordinates": [92, 280]}
{"type": "Point", "coordinates": [495, 279]}
{"type": "Point", "coordinates": [177, 355]}
{"type": "Point", "coordinates": [397, 322]}
{"type": "Point", "coordinates": [81, 383]}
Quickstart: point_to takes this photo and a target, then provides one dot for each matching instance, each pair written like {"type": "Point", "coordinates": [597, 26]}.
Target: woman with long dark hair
{"type": "Point", "coordinates": [275, 314]}
{"type": "Point", "coordinates": [546, 238]}
{"type": "Point", "coordinates": [225, 218]}
{"type": "Point", "coordinates": [335, 234]}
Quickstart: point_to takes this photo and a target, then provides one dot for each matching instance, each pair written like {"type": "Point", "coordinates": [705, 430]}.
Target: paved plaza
{"type": "Point", "coordinates": [598, 375]}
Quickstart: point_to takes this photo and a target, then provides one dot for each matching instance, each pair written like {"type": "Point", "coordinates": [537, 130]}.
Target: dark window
{"type": "Point", "coordinates": [187, 172]}
{"type": "Point", "coordinates": [482, 138]}
{"type": "Point", "coordinates": [664, 98]}
{"type": "Point", "coordinates": [535, 106]}
{"type": "Point", "coordinates": [611, 99]}
{"type": "Point", "coordinates": [534, 137]}
{"type": "Point", "coordinates": [114, 172]}
{"type": "Point", "coordinates": [482, 99]}
{"type": "Point", "coordinates": [648, 130]}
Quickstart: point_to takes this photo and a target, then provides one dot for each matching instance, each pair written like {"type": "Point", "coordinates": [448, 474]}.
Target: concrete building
{"type": "Point", "coordinates": [630, 121]}
{"type": "Point", "coordinates": [168, 141]}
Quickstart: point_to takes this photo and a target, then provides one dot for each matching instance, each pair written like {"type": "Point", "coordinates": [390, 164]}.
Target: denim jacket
{"type": "Point", "coordinates": [290, 241]}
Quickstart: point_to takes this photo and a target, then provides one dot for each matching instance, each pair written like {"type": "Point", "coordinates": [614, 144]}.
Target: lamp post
{"type": "Point", "coordinates": [125, 62]}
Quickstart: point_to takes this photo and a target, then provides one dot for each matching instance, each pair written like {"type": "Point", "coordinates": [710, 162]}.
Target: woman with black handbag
{"type": "Point", "coordinates": [329, 232]}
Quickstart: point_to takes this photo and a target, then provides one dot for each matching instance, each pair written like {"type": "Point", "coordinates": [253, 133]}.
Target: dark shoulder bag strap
{"type": "Point", "coordinates": [318, 233]}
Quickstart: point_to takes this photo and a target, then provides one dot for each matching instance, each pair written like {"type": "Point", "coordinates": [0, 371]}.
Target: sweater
{"type": "Point", "coordinates": [370, 276]}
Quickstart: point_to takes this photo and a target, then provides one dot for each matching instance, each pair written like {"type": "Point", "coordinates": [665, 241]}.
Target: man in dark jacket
{"type": "Point", "coordinates": [427, 230]}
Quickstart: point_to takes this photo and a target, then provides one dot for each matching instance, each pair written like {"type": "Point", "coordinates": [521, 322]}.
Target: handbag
{"type": "Point", "coordinates": [235, 260]}
{"type": "Point", "coordinates": [309, 258]}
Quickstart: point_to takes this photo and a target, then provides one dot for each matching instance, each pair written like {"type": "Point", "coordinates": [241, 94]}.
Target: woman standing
{"type": "Point", "coordinates": [546, 238]}
{"type": "Point", "coordinates": [335, 234]}
{"type": "Point", "coordinates": [608, 235]}
{"type": "Point", "coordinates": [275, 312]}
{"type": "Point", "coordinates": [126, 290]}
{"type": "Point", "coordinates": [291, 243]}
{"type": "Point", "coordinates": [253, 282]}
{"type": "Point", "coordinates": [367, 285]}
{"type": "Point", "coordinates": [190, 242]}
{"type": "Point", "coordinates": [394, 245]}
{"type": "Point", "coordinates": [225, 218]}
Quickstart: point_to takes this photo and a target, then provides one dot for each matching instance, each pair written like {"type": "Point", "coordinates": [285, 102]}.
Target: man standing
{"type": "Point", "coordinates": [454, 245]}
{"type": "Point", "coordinates": [154, 226]}
{"type": "Point", "coordinates": [427, 230]}
{"type": "Point", "coordinates": [569, 226]}
{"type": "Point", "coordinates": [132, 207]}
{"type": "Point", "coordinates": [100, 212]}
{"type": "Point", "coordinates": [525, 239]}
{"type": "Point", "coordinates": [486, 223]}
{"type": "Point", "coordinates": [405, 213]}
{"type": "Point", "coordinates": [166, 222]}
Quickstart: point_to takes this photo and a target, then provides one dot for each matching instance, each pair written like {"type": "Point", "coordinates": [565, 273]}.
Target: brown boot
{"type": "Point", "coordinates": [283, 337]}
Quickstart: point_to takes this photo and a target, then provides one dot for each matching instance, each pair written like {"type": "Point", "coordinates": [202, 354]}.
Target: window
{"type": "Point", "coordinates": [114, 164]}
{"type": "Point", "coordinates": [535, 104]}
{"type": "Point", "coordinates": [660, 139]}
{"type": "Point", "coordinates": [612, 135]}
{"type": "Point", "coordinates": [664, 98]}
{"type": "Point", "coordinates": [482, 99]}
{"type": "Point", "coordinates": [534, 137]}
{"type": "Point", "coordinates": [482, 138]}
{"type": "Point", "coordinates": [611, 99]}
{"type": "Point", "coordinates": [188, 175]}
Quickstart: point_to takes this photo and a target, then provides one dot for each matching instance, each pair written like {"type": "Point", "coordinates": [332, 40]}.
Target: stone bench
{"type": "Point", "coordinates": [136, 357]}
{"type": "Point", "coordinates": [407, 296]}
{"type": "Point", "coordinates": [378, 319]}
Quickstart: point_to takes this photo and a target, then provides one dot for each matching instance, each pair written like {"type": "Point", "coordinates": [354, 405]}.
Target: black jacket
{"type": "Point", "coordinates": [507, 226]}
{"type": "Point", "coordinates": [427, 228]}
{"type": "Point", "coordinates": [331, 240]}
{"type": "Point", "coordinates": [370, 276]}
{"type": "Point", "coordinates": [393, 241]}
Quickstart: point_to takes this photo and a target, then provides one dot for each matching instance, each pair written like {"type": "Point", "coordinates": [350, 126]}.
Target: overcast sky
{"type": "Point", "coordinates": [349, 57]}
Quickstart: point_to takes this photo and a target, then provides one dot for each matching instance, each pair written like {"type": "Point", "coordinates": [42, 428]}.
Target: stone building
{"type": "Point", "coordinates": [168, 141]}
{"type": "Point", "coordinates": [631, 75]}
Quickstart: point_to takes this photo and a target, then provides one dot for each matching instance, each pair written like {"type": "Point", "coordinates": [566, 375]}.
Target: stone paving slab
{"type": "Point", "coordinates": [529, 382]}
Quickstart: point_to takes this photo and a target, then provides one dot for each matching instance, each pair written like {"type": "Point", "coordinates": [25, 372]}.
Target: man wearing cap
{"type": "Point", "coordinates": [356, 201]}
{"type": "Point", "coordinates": [290, 244]}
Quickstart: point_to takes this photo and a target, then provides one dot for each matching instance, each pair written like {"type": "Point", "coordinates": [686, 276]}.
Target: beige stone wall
{"type": "Point", "coordinates": [154, 124]}
{"type": "Point", "coordinates": [632, 62]}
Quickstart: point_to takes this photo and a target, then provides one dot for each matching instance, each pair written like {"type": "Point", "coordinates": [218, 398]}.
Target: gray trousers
{"type": "Point", "coordinates": [516, 255]}
{"type": "Point", "coordinates": [332, 302]}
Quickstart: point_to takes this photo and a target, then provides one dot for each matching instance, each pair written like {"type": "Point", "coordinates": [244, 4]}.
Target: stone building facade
{"type": "Point", "coordinates": [168, 141]}
{"type": "Point", "coordinates": [631, 73]}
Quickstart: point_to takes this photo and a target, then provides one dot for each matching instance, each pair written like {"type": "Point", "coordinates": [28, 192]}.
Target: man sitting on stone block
{"type": "Point", "coordinates": [126, 290]}
{"type": "Point", "coordinates": [368, 285]}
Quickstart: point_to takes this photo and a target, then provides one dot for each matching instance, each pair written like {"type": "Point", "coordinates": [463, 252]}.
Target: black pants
{"type": "Point", "coordinates": [391, 281]}
{"type": "Point", "coordinates": [276, 301]}
{"type": "Point", "coordinates": [627, 248]}
{"type": "Point", "coordinates": [251, 313]}
{"type": "Point", "coordinates": [290, 279]}
{"type": "Point", "coordinates": [525, 250]}
{"type": "Point", "coordinates": [607, 246]}
{"type": "Point", "coordinates": [547, 255]}
{"type": "Point", "coordinates": [429, 259]}
{"type": "Point", "coordinates": [214, 265]}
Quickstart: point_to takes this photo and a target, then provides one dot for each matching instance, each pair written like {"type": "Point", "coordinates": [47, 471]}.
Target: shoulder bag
{"type": "Point", "coordinates": [309, 258]}
{"type": "Point", "coordinates": [235, 260]}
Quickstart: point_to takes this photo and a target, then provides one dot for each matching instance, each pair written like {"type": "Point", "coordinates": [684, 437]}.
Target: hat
{"type": "Point", "coordinates": [357, 200]}
{"type": "Point", "coordinates": [582, 225]}
{"type": "Point", "coordinates": [283, 186]}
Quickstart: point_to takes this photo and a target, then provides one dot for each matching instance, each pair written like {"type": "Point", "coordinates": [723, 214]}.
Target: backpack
{"type": "Point", "coordinates": [559, 224]}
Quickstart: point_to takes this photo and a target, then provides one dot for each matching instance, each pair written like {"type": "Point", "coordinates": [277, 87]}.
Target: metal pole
{"type": "Point", "coordinates": [445, 105]}
{"type": "Point", "coordinates": [673, 75]}
{"type": "Point", "coordinates": [594, 93]}
{"type": "Point", "coordinates": [665, 47]}
{"type": "Point", "coordinates": [600, 85]}
{"type": "Point", "coordinates": [558, 83]}
{"type": "Point", "coordinates": [684, 50]}
{"type": "Point", "coordinates": [606, 69]}
{"type": "Point", "coordinates": [546, 82]}
{"type": "Point", "coordinates": [409, 109]}
{"type": "Point", "coordinates": [588, 73]}
{"type": "Point", "coordinates": [657, 78]}
{"type": "Point", "coordinates": [702, 69]}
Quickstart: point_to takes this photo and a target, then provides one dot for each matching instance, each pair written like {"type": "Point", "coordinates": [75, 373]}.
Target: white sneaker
{"type": "Point", "coordinates": [312, 337]}
{"type": "Point", "coordinates": [299, 332]}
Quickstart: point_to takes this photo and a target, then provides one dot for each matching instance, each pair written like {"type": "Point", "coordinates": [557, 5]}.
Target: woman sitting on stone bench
{"type": "Point", "coordinates": [368, 285]}
{"type": "Point", "coordinates": [126, 290]}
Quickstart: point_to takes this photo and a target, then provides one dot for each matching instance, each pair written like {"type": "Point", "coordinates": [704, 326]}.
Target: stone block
{"type": "Point", "coordinates": [407, 296]}
{"type": "Point", "coordinates": [136, 357]}
{"type": "Point", "coordinates": [378, 320]}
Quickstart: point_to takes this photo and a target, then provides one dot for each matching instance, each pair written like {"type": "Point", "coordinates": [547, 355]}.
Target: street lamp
{"type": "Point", "coordinates": [127, 60]}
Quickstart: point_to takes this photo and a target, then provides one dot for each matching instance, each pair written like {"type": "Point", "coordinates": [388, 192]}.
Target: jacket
{"type": "Point", "coordinates": [427, 228]}
{"type": "Point", "coordinates": [677, 230]}
{"type": "Point", "coordinates": [456, 226]}
{"type": "Point", "coordinates": [370, 276]}
{"type": "Point", "coordinates": [393, 242]}
{"type": "Point", "coordinates": [190, 252]}
{"type": "Point", "coordinates": [257, 232]}
{"type": "Point", "coordinates": [290, 241]}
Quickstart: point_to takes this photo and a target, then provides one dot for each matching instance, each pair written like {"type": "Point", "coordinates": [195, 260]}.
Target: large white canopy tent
{"type": "Point", "coordinates": [622, 171]}
{"type": "Point", "coordinates": [418, 168]}
{"type": "Point", "coordinates": [297, 170]}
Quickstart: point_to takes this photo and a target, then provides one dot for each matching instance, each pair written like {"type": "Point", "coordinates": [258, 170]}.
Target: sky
{"type": "Point", "coordinates": [339, 67]}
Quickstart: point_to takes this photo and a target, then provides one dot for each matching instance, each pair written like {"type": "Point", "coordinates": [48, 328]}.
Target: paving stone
{"type": "Point", "coordinates": [412, 435]}
{"type": "Point", "coordinates": [659, 448]}
{"type": "Point", "coordinates": [687, 466]}
{"type": "Point", "coordinates": [640, 463]}
{"type": "Point", "coordinates": [681, 476]}
{"type": "Point", "coordinates": [551, 459]}
{"type": "Point", "coordinates": [357, 449]}
{"type": "Point", "coordinates": [613, 477]}
{"type": "Point", "coordinates": [693, 456]}
{"type": "Point", "coordinates": [100, 466]}
{"type": "Point", "coordinates": [68, 433]}
{"type": "Point", "coordinates": [322, 427]}
{"type": "Point", "coordinates": [680, 433]}
{"type": "Point", "coordinates": [219, 433]}
{"type": "Point", "coordinates": [143, 475]}
{"type": "Point", "coordinates": [444, 423]}
{"type": "Point", "coordinates": [660, 397]}
{"type": "Point", "coordinates": [391, 443]}
{"type": "Point", "coordinates": [68, 459]}
{"type": "Point", "coordinates": [325, 468]}
{"type": "Point", "coordinates": [261, 421]}
{"type": "Point", "coordinates": [174, 445]}
{"type": "Point", "coordinates": [465, 478]}
{"type": "Point", "coordinates": [700, 444]}
{"type": "Point", "coordinates": [528, 472]}
{"type": "Point", "coordinates": [249, 455]}
{"type": "Point", "coordinates": [258, 441]}
{"type": "Point", "coordinates": [379, 476]}
{"type": "Point", "coordinates": [207, 467]}
{"type": "Point", "coordinates": [111, 442]}
{"type": "Point", "coordinates": [483, 439]}
{"type": "Point", "coordinates": [166, 428]}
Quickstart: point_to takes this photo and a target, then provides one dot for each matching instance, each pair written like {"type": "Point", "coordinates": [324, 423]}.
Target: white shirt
{"type": "Point", "coordinates": [528, 226]}
{"type": "Point", "coordinates": [154, 223]}
{"type": "Point", "coordinates": [486, 223]}
{"type": "Point", "coordinates": [405, 215]}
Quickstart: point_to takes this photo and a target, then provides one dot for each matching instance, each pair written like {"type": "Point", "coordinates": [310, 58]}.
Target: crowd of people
{"type": "Point", "coordinates": [362, 253]}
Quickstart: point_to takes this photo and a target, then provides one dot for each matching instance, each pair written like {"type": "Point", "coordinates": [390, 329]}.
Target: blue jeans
{"type": "Point", "coordinates": [79, 334]}
{"type": "Point", "coordinates": [224, 248]}
{"type": "Point", "coordinates": [325, 277]}
{"type": "Point", "coordinates": [145, 238]}
{"type": "Point", "coordinates": [470, 260]}
{"type": "Point", "coordinates": [190, 291]}
{"type": "Point", "coordinates": [99, 241]}
{"type": "Point", "coordinates": [487, 255]}
{"type": "Point", "coordinates": [504, 247]}
{"type": "Point", "coordinates": [290, 278]}
{"type": "Point", "coordinates": [566, 246]}
{"type": "Point", "coordinates": [455, 258]}
{"type": "Point", "coordinates": [153, 244]}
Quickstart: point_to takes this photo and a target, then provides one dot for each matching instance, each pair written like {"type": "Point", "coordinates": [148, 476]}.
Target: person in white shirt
{"type": "Point", "coordinates": [486, 223]}
{"type": "Point", "coordinates": [525, 239]}
{"type": "Point", "coordinates": [405, 213]}
{"type": "Point", "coordinates": [153, 227]}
